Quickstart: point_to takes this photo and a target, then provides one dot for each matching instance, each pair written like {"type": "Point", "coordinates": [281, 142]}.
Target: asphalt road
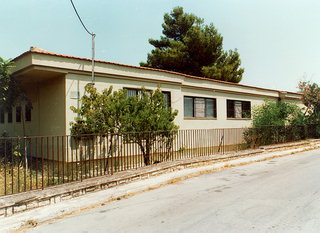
{"type": "Point", "coordinates": [280, 195]}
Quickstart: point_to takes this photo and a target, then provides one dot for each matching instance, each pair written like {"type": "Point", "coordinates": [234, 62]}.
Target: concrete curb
{"type": "Point", "coordinates": [156, 180]}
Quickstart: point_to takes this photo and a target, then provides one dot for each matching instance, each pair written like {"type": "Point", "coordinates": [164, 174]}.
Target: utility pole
{"type": "Point", "coordinates": [93, 54]}
{"type": "Point", "coordinates": [93, 44]}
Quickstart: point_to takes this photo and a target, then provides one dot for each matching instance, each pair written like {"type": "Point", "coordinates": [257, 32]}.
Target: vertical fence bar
{"type": "Point", "coordinates": [65, 138]}
{"type": "Point", "coordinates": [42, 164]}
{"type": "Point", "coordinates": [96, 155]}
{"type": "Point", "coordinates": [69, 138]}
{"type": "Point", "coordinates": [111, 153]}
{"type": "Point", "coordinates": [189, 146]}
{"type": "Point", "coordinates": [185, 147]}
{"type": "Point", "coordinates": [105, 154]}
{"type": "Point", "coordinates": [12, 170]}
{"type": "Point", "coordinates": [85, 158]}
{"type": "Point", "coordinates": [4, 141]}
{"type": "Point", "coordinates": [24, 185]}
{"type": "Point", "coordinates": [81, 158]}
{"type": "Point", "coordinates": [120, 144]}
{"type": "Point", "coordinates": [99, 156]}
{"type": "Point", "coordinates": [48, 162]}
{"type": "Point", "coordinates": [37, 157]}
{"type": "Point", "coordinates": [53, 158]}
{"type": "Point", "coordinates": [119, 163]}
{"type": "Point", "coordinates": [58, 156]}
{"type": "Point", "coordinates": [93, 155]}
{"type": "Point", "coordinates": [89, 154]}
{"type": "Point", "coordinates": [201, 142]}
{"type": "Point", "coordinates": [126, 153]}
{"type": "Point", "coordinates": [78, 162]}
{"type": "Point", "coordinates": [131, 158]}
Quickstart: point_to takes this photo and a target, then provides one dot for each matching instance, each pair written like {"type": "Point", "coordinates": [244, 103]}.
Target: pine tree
{"type": "Point", "coordinates": [191, 47]}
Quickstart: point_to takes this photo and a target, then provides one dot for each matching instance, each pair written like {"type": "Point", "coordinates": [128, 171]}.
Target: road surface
{"type": "Point", "coordinates": [280, 195]}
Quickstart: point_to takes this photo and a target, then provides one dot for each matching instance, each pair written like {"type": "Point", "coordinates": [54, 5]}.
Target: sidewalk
{"type": "Point", "coordinates": [125, 184]}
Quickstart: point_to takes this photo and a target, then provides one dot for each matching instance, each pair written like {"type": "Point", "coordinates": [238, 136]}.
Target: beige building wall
{"type": "Point", "coordinates": [52, 114]}
{"type": "Point", "coordinates": [56, 82]}
{"type": "Point", "coordinates": [48, 110]}
{"type": "Point", "coordinates": [75, 83]}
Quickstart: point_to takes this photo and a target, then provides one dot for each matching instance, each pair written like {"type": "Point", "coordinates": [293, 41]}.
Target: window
{"type": "Point", "coordinates": [28, 112]}
{"type": "Point", "coordinates": [18, 113]}
{"type": "Point", "coordinates": [167, 98]}
{"type": "Point", "coordinates": [10, 115]}
{"type": "Point", "coordinates": [238, 109]}
{"type": "Point", "coordinates": [134, 92]}
{"type": "Point", "coordinates": [1, 116]}
{"type": "Point", "coordinates": [188, 107]}
{"type": "Point", "coordinates": [200, 107]}
{"type": "Point", "coordinates": [131, 92]}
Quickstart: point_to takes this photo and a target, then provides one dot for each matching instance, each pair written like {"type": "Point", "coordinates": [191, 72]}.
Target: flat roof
{"type": "Point", "coordinates": [42, 51]}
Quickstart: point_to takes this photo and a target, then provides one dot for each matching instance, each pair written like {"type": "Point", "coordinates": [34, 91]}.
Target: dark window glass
{"type": "Point", "coordinates": [246, 109]}
{"type": "Point", "coordinates": [188, 106]}
{"type": "Point", "coordinates": [230, 108]}
{"type": "Point", "coordinates": [10, 115]}
{"type": "Point", "coordinates": [132, 92]}
{"type": "Point", "coordinates": [28, 112]}
{"type": "Point", "coordinates": [167, 98]}
{"type": "Point", "coordinates": [238, 109]}
{"type": "Point", "coordinates": [210, 108]}
{"type": "Point", "coordinates": [200, 107]}
{"type": "Point", "coordinates": [1, 116]}
{"type": "Point", "coordinates": [18, 113]}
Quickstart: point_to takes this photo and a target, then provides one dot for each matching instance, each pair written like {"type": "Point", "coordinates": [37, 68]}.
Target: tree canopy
{"type": "Point", "coordinates": [6, 83]}
{"type": "Point", "coordinates": [11, 93]}
{"type": "Point", "coordinates": [311, 99]}
{"type": "Point", "coordinates": [276, 113]}
{"type": "Point", "coordinates": [142, 119]}
{"type": "Point", "coordinates": [189, 46]}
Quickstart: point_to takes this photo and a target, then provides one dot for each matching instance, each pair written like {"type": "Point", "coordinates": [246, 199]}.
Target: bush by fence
{"type": "Point", "coordinates": [266, 135]}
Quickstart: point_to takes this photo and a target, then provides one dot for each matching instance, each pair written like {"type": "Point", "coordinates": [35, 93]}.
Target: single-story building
{"type": "Point", "coordinates": [55, 82]}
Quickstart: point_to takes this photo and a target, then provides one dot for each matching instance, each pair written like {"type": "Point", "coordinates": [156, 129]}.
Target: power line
{"type": "Point", "coordinates": [93, 45]}
{"type": "Point", "coordinates": [80, 18]}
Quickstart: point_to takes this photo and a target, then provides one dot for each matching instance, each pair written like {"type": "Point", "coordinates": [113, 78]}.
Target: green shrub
{"type": "Point", "coordinates": [275, 122]}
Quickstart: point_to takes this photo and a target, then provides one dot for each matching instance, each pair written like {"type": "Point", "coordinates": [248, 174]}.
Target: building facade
{"type": "Point", "coordinates": [55, 82]}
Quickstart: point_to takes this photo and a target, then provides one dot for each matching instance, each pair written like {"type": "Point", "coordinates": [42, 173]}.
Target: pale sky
{"type": "Point", "coordinates": [278, 40]}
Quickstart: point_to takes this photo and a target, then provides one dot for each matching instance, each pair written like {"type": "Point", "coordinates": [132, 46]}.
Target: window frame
{"type": "Point", "coordinates": [18, 111]}
{"type": "Point", "coordinates": [132, 89]}
{"type": "Point", "coordinates": [28, 112]}
{"type": "Point", "coordinates": [245, 114]}
{"type": "Point", "coordinates": [10, 115]}
{"type": "Point", "coordinates": [167, 99]}
{"type": "Point", "coordinates": [138, 91]}
{"type": "Point", "coordinates": [214, 117]}
{"type": "Point", "coordinates": [2, 116]}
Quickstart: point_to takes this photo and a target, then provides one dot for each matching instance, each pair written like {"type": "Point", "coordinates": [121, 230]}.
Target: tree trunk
{"type": "Point", "coordinates": [25, 150]}
{"type": "Point", "coordinates": [146, 155]}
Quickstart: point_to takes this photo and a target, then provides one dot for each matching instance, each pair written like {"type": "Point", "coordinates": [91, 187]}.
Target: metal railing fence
{"type": "Point", "coordinates": [29, 163]}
